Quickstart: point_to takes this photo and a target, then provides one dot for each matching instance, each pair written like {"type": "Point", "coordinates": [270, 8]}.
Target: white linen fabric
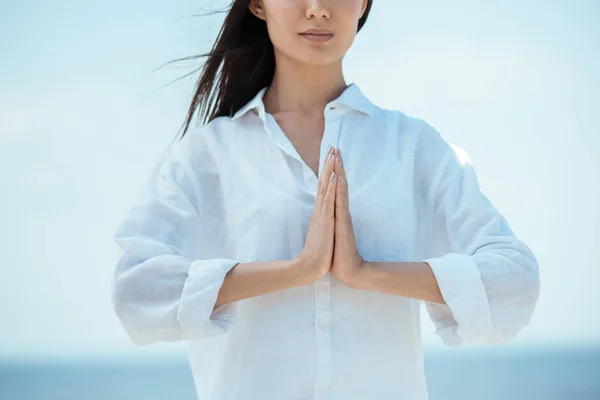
{"type": "Point", "coordinates": [236, 190]}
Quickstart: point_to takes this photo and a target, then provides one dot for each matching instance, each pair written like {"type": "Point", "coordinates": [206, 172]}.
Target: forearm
{"type": "Point", "coordinates": [247, 280]}
{"type": "Point", "coordinates": [409, 279]}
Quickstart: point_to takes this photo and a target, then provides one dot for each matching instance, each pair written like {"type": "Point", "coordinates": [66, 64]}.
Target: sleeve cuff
{"type": "Point", "coordinates": [197, 313]}
{"type": "Point", "coordinates": [460, 283]}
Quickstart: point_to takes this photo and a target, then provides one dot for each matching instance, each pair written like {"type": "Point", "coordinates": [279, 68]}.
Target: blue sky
{"type": "Point", "coordinates": [82, 121]}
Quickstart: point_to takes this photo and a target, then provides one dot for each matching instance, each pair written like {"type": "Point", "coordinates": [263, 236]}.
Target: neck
{"type": "Point", "coordinates": [303, 88]}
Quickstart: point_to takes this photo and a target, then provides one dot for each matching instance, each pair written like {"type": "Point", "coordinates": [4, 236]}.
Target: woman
{"type": "Point", "coordinates": [291, 238]}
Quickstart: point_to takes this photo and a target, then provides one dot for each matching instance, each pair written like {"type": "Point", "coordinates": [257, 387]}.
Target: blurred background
{"type": "Point", "coordinates": [85, 111]}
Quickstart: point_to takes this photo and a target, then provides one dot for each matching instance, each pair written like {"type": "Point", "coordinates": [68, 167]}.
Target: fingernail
{"type": "Point", "coordinates": [330, 157]}
{"type": "Point", "coordinates": [339, 159]}
{"type": "Point", "coordinates": [332, 176]}
{"type": "Point", "coordinates": [327, 154]}
{"type": "Point", "coordinates": [342, 181]}
{"type": "Point", "coordinates": [339, 151]}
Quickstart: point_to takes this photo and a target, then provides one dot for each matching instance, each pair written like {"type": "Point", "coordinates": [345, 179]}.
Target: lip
{"type": "Point", "coordinates": [317, 34]}
{"type": "Point", "coordinates": [317, 31]}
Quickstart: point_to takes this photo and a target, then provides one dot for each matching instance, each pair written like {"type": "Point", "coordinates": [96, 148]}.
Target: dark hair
{"type": "Point", "coordinates": [245, 54]}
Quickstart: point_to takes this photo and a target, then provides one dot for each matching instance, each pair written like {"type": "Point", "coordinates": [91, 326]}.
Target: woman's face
{"type": "Point", "coordinates": [287, 20]}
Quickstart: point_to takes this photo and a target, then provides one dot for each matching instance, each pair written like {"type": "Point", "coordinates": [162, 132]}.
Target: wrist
{"type": "Point", "coordinates": [305, 273]}
{"type": "Point", "coordinates": [359, 278]}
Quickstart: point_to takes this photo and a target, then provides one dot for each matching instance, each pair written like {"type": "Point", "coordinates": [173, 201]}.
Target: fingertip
{"type": "Point", "coordinates": [330, 195]}
{"type": "Point", "coordinates": [331, 181]}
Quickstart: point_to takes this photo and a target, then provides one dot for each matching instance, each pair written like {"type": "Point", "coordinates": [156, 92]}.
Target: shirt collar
{"type": "Point", "coordinates": [351, 97]}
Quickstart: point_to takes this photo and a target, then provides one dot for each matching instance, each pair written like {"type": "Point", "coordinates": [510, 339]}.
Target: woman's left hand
{"type": "Point", "coordinates": [347, 262]}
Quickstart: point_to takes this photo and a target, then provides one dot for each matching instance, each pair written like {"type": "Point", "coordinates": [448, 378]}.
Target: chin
{"type": "Point", "coordinates": [310, 56]}
{"type": "Point", "coordinates": [319, 58]}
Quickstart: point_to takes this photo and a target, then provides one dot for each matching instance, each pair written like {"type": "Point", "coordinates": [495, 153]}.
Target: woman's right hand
{"type": "Point", "coordinates": [317, 254]}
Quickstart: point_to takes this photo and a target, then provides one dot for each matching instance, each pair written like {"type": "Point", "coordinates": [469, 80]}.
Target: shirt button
{"type": "Point", "coordinates": [323, 325]}
{"type": "Point", "coordinates": [322, 392]}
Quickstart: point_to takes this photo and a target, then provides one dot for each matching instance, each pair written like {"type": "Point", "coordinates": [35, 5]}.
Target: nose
{"type": "Point", "coordinates": [317, 9]}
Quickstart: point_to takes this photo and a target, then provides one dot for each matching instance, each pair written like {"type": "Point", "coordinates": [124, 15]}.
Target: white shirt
{"type": "Point", "coordinates": [236, 190]}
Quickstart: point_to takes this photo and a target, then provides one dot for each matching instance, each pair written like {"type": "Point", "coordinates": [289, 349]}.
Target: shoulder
{"type": "Point", "coordinates": [199, 149]}
{"type": "Point", "coordinates": [223, 131]}
{"type": "Point", "coordinates": [430, 145]}
{"type": "Point", "coordinates": [424, 143]}
{"type": "Point", "coordinates": [202, 135]}
{"type": "Point", "coordinates": [434, 145]}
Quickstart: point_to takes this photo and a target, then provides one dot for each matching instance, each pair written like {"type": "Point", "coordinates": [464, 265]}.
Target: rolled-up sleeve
{"type": "Point", "coordinates": [488, 277]}
{"type": "Point", "coordinates": [160, 292]}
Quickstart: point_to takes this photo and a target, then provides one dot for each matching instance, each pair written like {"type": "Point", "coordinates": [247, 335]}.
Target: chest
{"type": "Point", "coordinates": [305, 134]}
{"type": "Point", "coordinates": [269, 193]}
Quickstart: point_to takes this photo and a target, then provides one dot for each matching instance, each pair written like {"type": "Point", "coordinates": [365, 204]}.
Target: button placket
{"type": "Point", "coordinates": [322, 333]}
{"type": "Point", "coordinates": [279, 137]}
{"type": "Point", "coordinates": [323, 285]}
{"type": "Point", "coordinates": [330, 138]}
{"type": "Point", "coordinates": [323, 324]}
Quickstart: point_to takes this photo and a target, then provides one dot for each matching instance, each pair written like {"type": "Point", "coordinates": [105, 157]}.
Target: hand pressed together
{"type": "Point", "coordinates": [330, 242]}
{"type": "Point", "coordinates": [317, 254]}
{"type": "Point", "coordinates": [347, 262]}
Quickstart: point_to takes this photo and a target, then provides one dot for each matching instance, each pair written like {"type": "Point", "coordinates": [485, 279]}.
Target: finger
{"type": "Point", "coordinates": [341, 198]}
{"type": "Point", "coordinates": [322, 186]}
{"type": "Point", "coordinates": [346, 201]}
{"type": "Point", "coordinates": [342, 205]}
{"type": "Point", "coordinates": [328, 168]}
{"type": "Point", "coordinates": [328, 212]}
{"type": "Point", "coordinates": [348, 217]}
{"type": "Point", "coordinates": [339, 164]}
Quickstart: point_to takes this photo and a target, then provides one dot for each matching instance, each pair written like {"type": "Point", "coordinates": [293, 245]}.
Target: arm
{"type": "Point", "coordinates": [160, 292]}
{"type": "Point", "coordinates": [488, 277]}
{"type": "Point", "coordinates": [408, 279]}
{"type": "Point", "coordinates": [479, 282]}
{"type": "Point", "coordinates": [258, 278]}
